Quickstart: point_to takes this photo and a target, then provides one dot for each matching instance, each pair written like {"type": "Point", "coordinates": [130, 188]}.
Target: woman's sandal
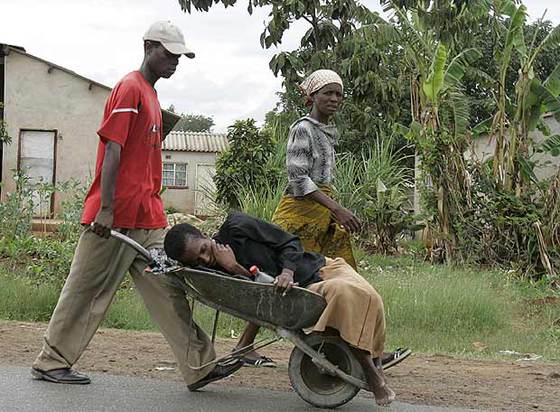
{"type": "Point", "coordinates": [391, 359]}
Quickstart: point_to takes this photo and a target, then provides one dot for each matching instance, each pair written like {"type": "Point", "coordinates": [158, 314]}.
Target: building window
{"type": "Point", "coordinates": [175, 174]}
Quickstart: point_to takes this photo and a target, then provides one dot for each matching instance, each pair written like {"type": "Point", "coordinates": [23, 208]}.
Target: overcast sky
{"type": "Point", "coordinates": [229, 79]}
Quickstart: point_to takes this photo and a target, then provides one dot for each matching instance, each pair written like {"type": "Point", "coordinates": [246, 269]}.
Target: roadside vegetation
{"type": "Point", "coordinates": [432, 309]}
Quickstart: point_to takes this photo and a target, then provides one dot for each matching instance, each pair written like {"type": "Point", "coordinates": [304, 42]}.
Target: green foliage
{"type": "Point", "coordinates": [329, 20]}
{"type": "Point", "coordinates": [16, 212]}
{"type": "Point", "coordinates": [503, 220]}
{"type": "Point", "coordinates": [348, 38]}
{"type": "Point", "coordinates": [70, 229]}
{"type": "Point", "coordinates": [22, 299]}
{"type": "Point", "coordinates": [446, 308]}
{"type": "Point", "coordinates": [376, 186]}
{"type": "Point", "coordinates": [244, 163]}
{"type": "Point", "coordinates": [450, 20]}
{"type": "Point", "coordinates": [458, 307]}
{"type": "Point", "coordinates": [46, 257]}
{"type": "Point", "coordinates": [194, 123]}
{"type": "Point", "coordinates": [5, 138]}
{"type": "Point", "coordinates": [261, 201]}
{"type": "Point", "coordinates": [449, 70]}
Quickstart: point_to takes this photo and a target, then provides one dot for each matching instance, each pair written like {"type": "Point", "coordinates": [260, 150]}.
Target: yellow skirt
{"type": "Point", "coordinates": [315, 226]}
{"type": "Point", "coordinates": [354, 308]}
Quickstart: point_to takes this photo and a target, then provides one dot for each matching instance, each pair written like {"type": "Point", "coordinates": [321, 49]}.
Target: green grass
{"type": "Point", "coordinates": [21, 299]}
{"type": "Point", "coordinates": [469, 311]}
{"type": "Point", "coordinates": [432, 309]}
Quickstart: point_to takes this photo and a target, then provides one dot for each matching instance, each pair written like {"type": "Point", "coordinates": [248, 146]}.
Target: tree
{"type": "Point", "coordinates": [193, 122]}
{"type": "Point", "coordinates": [330, 20]}
{"type": "Point", "coordinates": [244, 164]}
{"type": "Point", "coordinates": [439, 119]}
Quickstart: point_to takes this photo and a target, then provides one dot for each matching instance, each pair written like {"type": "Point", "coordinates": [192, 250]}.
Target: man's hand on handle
{"type": "Point", "coordinates": [103, 223]}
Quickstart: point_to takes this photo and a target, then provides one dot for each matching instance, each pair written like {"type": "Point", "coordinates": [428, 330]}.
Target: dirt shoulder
{"type": "Point", "coordinates": [421, 379]}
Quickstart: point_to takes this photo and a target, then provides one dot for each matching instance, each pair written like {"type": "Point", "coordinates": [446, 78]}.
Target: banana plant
{"type": "Point", "coordinates": [440, 117]}
{"type": "Point", "coordinates": [514, 120]}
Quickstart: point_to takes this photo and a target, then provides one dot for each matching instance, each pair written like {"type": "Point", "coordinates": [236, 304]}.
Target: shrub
{"type": "Point", "coordinates": [46, 258]}
{"type": "Point", "coordinates": [377, 187]}
{"type": "Point", "coordinates": [244, 163]}
{"type": "Point", "coordinates": [16, 213]}
{"type": "Point", "coordinates": [71, 228]}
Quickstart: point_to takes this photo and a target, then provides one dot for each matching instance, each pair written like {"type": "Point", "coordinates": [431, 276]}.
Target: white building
{"type": "Point", "coordinates": [52, 115]}
{"type": "Point", "coordinates": [188, 167]}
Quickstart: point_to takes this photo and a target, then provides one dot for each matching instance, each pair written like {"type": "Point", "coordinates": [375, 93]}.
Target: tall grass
{"type": "Point", "coordinates": [20, 299]}
{"type": "Point", "coordinates": [261, 202]}
{"type": "Point", "coordinates": [461, 310]}
{"type": "Point", "coordinates": [377, 187]}
{"type": "Point", "coordinates": [279, 128]}
{"type": "Point", "coordinates": [361, 179]}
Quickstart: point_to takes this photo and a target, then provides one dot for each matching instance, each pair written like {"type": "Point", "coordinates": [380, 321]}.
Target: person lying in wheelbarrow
{"type": "Point", "coordinates": [354, 308]}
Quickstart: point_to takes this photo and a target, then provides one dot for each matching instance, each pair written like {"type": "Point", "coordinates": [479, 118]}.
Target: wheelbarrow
{"type": "Point", "coordinates": [322, 369]}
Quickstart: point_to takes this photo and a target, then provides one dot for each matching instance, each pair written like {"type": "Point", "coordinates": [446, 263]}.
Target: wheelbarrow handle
{"type": "Point", "coordinates": [133, 244]}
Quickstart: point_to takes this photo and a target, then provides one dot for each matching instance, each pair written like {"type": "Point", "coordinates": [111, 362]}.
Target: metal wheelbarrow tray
{"type": "Point", "coordinates": [254, 302]}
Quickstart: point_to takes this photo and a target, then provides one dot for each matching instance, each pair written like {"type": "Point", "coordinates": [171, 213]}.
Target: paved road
{"type": "Point", "coordinates": [18, 392]}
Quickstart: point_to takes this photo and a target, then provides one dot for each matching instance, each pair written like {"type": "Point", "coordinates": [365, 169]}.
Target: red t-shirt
{"type": "Point", "coordinates": [132, 119]}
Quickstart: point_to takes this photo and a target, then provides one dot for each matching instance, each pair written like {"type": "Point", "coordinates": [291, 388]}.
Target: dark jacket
{"type": "Point", "coordinates": [256, 242]}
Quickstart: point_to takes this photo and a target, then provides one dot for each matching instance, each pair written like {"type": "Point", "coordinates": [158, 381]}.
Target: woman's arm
{"type": "Point", "coordinates": [346, 218]}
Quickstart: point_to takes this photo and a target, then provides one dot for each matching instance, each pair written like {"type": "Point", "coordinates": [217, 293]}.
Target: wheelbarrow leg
{"type": "Point", "coordinates": [215, 327]}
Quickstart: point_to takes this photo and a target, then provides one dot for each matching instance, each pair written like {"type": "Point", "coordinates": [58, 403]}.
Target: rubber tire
{"type": "Point", "coordinates": [317, 389]}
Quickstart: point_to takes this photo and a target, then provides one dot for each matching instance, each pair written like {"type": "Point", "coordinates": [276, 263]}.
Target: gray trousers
{"type": "Point", "coordinates": [97, 270]}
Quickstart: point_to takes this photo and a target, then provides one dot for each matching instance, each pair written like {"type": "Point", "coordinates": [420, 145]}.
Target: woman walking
{"type": "Point", "coordinates": [307, 208]}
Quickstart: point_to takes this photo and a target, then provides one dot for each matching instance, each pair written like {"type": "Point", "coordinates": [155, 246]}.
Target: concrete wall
{"type": "Point", "coordinates": [547, 165]}
{"type": "Point", "coordinates": [39, 96]}
{"type": "Point", "coordinates": [483, 149]}
{"type": "Point", "coordinates": [183, 199]}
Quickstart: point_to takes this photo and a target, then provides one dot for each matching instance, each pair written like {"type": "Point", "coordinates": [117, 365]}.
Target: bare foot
{"type": "Point", "coordinates": [383, 395]}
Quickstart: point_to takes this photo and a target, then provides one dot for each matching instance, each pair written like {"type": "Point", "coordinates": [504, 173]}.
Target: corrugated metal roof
{"type": "Point", "coordinates": [196, 142]}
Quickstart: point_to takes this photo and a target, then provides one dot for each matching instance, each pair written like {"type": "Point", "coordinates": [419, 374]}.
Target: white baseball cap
{"type": "Point", "coordinates": [169, 36]}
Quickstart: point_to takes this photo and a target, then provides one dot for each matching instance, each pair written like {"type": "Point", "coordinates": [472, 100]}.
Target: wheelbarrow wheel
{"type": "Point", "coordinates": [316, 386]}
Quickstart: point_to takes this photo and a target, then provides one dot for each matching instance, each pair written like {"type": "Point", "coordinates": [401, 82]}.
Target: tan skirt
{"type": "Point", "coordinates": [354, 308]}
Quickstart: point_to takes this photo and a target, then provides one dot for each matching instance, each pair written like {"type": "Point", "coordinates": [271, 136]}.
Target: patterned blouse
{"type": "Point", "coordinates": [310, 156]}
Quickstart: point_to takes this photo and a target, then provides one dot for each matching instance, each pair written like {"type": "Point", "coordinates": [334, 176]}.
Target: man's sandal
{"type": "Point", "coordinates": [220, 371]}
{"type": "Point", "coordinates": [260, 362]}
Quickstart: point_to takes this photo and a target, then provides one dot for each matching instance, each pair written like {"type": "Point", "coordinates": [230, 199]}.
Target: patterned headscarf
{"type": "Point", "coordinates": [317, 80]}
